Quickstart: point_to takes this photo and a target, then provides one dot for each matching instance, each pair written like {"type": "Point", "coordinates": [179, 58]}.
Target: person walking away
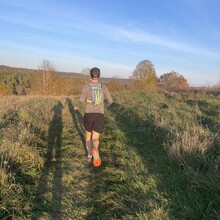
{"type": "Point", "coordinates": [94, 94]}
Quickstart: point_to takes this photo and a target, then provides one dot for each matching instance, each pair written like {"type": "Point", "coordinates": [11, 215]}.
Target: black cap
{"type": "Point", "coordinates": [95, 72]}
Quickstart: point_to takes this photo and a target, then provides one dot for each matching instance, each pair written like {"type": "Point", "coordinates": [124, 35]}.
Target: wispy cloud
{"type": "Point", "coordinates": [67, 23]}
{"type": "Point", "coordinates": [139, 36]}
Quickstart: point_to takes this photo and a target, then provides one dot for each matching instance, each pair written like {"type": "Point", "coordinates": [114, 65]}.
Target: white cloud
{"type": "Point", "coordinates": [138, 36]}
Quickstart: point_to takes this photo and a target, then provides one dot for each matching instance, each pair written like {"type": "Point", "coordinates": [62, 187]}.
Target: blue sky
{"type": "Point", "coordinates": [114, 35]}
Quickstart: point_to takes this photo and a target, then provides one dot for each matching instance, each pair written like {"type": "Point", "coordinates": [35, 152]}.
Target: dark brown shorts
{"type": "Point", "coordinates": [94, 122]}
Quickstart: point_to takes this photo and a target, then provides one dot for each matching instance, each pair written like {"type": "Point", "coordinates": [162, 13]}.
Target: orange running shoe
{"type": "Point", "coordinates": [96, 158]}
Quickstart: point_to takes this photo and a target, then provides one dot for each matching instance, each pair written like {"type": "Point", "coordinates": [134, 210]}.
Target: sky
{"type": "Point", "coordinates": [114, 35]}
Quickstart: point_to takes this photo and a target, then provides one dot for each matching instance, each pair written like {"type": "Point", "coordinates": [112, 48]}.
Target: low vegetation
{"type": "Point", "coordinates": [160, 151]}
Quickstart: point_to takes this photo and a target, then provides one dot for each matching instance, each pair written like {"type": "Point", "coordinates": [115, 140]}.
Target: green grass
{"type": "Point", "coordinates": [160, 157]}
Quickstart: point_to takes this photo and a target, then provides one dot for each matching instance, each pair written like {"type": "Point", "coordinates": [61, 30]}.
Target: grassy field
{"type": "Point", "coordinates": [160, 152]}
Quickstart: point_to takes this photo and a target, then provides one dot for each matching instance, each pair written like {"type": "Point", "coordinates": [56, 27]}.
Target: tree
{"type": "Point", "coordinates": [46, 80]}
{"type": "Point", "coordinates": [78, 83]}
{"type": "Point", "coordinates": [18, 80]}
{"type": "Point", "coordinates": [67, 85]}
{"type": "Point", "coordinates": [85, 71]}
{"type": "Point", "coordinates": [144, 76]}
{"type": "Point", "coordinates": [173, 81]}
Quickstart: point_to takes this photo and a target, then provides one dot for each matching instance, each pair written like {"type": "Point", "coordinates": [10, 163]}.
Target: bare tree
{"type": "Point", "coordinates": [46, 81]}
{"type": "Point", "coordinates": [47, 71]}
{"type": "Point", "coordinates": [85, 75]}
{"type": "Point", "coordinates": [85, 71]}
{"type": "Point", "coordinates": [144, 76]}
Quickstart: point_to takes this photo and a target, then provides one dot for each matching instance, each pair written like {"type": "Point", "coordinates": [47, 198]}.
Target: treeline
{"type": "Point", "coordinates": [44, 81]}
{"type": "Point", "coordinates": [15, 81]}
{"type": "Point", "coordinates": [47, 81]}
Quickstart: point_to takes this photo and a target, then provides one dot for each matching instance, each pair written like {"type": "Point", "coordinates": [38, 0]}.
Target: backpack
{"type": "Point", "coordinates": [97, 94]}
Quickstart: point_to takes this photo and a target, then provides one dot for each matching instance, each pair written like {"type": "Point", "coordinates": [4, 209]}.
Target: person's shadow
{"type": "Point", "coordinates": [51, 185]}
{"type": "Point", "coordinates": [78, 122]}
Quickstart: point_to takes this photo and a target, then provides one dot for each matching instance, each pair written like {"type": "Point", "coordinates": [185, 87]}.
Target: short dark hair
{"type": "Point", "coordinates": [95, 72]}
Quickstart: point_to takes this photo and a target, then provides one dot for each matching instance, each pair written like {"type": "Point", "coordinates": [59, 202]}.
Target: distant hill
{"type": "Point", "coordinates": [65, 74]}
{"type": "Point", "coordinates": [104, 79]}
{"type": "Point", "coordinates": [3, 67]}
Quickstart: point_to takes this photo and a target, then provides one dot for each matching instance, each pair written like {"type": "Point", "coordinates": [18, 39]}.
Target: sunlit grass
{"type": "Point", "coordinates": [160, 154]}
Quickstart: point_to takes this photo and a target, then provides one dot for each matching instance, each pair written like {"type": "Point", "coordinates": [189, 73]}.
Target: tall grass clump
{"type": "Point", "coordinates": [23, 126]}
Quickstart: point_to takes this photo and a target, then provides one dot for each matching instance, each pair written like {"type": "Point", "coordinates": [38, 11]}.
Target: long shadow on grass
{"type": "Point", "coordinates": [49, 192]}
{"type": "Point", "coordinates": [147, 140]}
{"type": "Point", "coordinates": [78, 122]}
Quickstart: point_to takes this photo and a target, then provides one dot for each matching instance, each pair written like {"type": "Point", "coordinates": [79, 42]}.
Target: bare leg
{"type": "Point", "coordinates": [95, 152]}
{"type": "Point", "coordinates": [88, 142]}
{"type": "Point", "coordinates": [95, 139]}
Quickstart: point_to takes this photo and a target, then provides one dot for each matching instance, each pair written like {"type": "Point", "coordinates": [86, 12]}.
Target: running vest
{"type": "Point", "coordinates": [97, 94]}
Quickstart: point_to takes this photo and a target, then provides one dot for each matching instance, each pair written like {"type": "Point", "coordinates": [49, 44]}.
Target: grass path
{"type": "Point", "coordinates": [71, 188]}
{"type": "Point", "coordinates": [135, 181]}
{"type": "Point", "coordinates": [65, 178]}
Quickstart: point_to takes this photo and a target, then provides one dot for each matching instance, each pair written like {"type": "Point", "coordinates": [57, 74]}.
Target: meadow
{"type": "Point", "coordinates": [160, 152]}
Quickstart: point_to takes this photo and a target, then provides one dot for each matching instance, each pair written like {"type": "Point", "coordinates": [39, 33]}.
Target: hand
{"type": "Point", "coordinates": [76, 108]}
